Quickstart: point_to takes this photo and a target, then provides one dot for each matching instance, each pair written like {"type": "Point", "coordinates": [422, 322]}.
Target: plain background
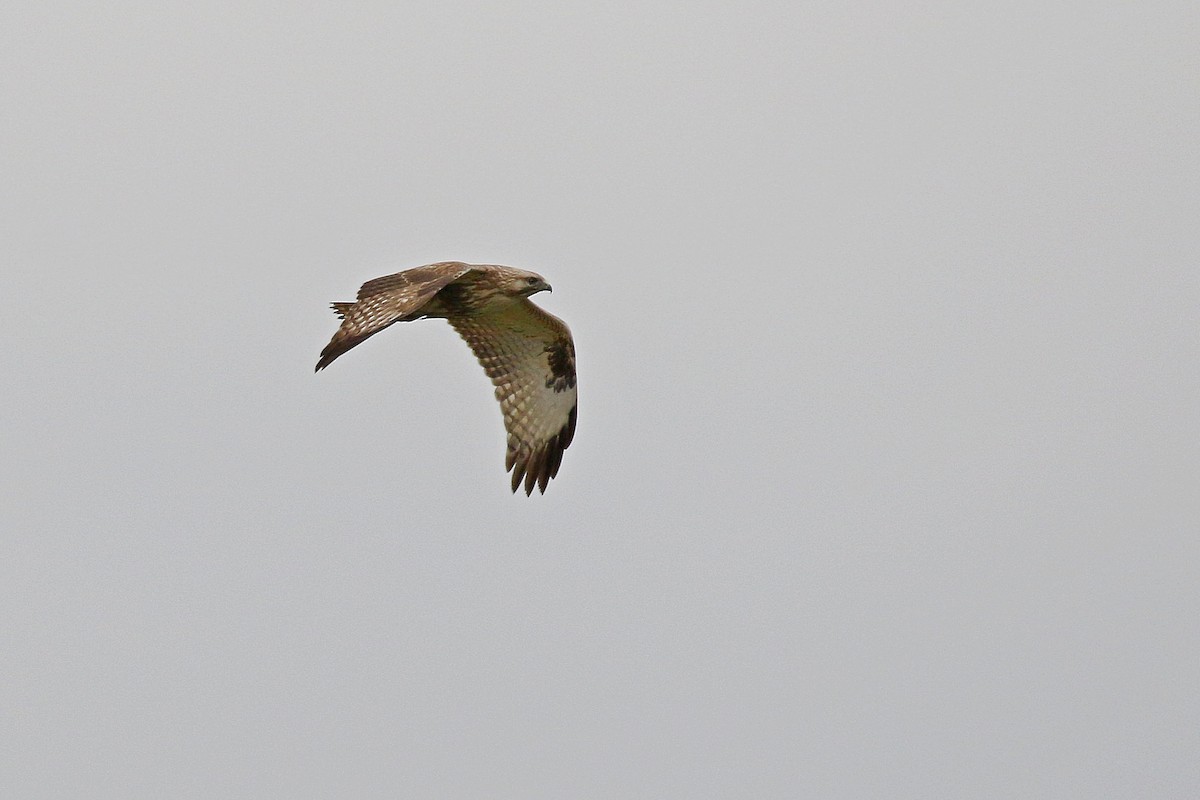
{"type": "Point", "coordinates": [885, 483]}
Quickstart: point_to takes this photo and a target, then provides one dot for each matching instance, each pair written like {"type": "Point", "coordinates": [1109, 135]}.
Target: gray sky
{"type": "Point", "coordinates": [885, 482]}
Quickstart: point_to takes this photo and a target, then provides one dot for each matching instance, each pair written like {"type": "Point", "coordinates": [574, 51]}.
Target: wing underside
{"type": "Point", "coordinates": [530, 357]}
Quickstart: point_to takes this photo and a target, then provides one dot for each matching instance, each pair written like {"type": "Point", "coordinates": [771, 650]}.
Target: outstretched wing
{"type": "Point", "coordinates": [530, 357]}
{"type": "Point", "coordinates": [387, 300]}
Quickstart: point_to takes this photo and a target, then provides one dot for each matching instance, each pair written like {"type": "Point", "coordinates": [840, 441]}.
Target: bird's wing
{"type": "Point", "coordinates": [530, 357]}
{"type": "Point", "coordinates": [386, 300]}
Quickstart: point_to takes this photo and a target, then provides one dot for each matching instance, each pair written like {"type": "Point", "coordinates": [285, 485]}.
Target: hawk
{"type": "Point", "coordinates": [527, 352]}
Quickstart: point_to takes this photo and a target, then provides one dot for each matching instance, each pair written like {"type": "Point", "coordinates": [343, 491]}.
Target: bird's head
{"type": "Point", "coordinates": [523, 284]}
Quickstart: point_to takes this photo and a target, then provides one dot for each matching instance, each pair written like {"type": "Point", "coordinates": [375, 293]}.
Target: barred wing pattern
{"type": "Point", "coordinates": [387, 300]}
{"type": "Point", "coordinates": [530, 357]}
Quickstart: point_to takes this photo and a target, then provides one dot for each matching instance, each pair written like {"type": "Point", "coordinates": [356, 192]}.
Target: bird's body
{"type": "Point", "coordinates": [527, 352]}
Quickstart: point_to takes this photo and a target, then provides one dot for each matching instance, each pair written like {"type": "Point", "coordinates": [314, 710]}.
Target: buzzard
{"type": "Point", "coordinates": [527, 352]}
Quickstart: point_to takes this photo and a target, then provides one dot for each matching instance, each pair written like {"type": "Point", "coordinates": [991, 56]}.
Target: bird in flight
{"type": "Point", "coordinates": [527, 352]}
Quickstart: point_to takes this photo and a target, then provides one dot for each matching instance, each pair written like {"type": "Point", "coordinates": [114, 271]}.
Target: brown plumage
{"type": "Point", "coordinates": [527, 352]}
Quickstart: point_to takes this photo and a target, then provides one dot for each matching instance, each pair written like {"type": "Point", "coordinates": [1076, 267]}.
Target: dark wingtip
{"type": "Point", "coordinates": [339, 344]}
{"type": "Point", "coordinates": [327, 358]}
{"type": "Point", "coordinates": [539, 467]}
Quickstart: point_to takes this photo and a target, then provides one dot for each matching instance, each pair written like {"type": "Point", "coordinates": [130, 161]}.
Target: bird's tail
{"type": "Point", "coordinates": [342, 309]}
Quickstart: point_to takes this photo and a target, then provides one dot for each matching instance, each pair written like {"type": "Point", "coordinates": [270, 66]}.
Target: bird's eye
{"type": "Point", "coordinates": [531, 281]}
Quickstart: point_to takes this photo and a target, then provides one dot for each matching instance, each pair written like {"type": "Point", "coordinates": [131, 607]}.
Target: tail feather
{"type": "Point", "coordinates": [342, 309]}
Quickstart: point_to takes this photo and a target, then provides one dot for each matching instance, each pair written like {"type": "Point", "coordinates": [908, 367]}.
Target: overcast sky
{"type": "Point", "coordinates": [886, 475]}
